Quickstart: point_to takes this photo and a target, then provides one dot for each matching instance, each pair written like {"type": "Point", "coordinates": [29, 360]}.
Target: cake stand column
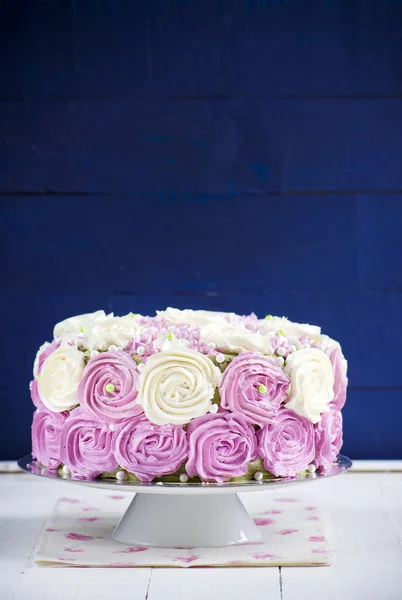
{"type": "Point", "coordinates": [186, 520]}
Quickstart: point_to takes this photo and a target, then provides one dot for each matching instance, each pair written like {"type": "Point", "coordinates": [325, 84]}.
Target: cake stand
{"type": "Point", "coordinates": [186, 515]}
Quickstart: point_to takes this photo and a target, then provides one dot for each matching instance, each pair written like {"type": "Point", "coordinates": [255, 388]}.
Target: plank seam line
{"type": "Point", "coordinates": [219, 97]}
{"type": "Point", "coordinates": [149, 584]}
{"type": "Point", "coordinates": [184, 195]}
{"type": "Point", "coordinates": [280, 583]}
{"type": "Point", "coordinates": [15, 589]}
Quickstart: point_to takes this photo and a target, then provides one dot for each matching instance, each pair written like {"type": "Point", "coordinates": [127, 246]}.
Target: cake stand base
{"type": "Point", "coordinates": [185, 515]}
{"type": "Point", "coordinates": [178, 521]}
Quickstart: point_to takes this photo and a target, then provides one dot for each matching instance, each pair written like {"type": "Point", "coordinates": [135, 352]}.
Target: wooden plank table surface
{"type": "Point", "coordinates": [364, 531]}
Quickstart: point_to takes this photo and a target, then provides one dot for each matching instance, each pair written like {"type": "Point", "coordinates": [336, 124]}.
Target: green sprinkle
{"type": "Point", "coordinates": [280, 332]}
{"type": "Point", "coordinates": [269, 317]}
{"type": "Point", "coordinates": [109, 388]}
{"type": "Point", "coordinates": [170, 336]}
{"type": "Point", "coordinates": [82, 329]}
{"type": "Point", "coordinates": [37, 377]}
{"type": "Point", "coordinates": [262, 388]}
{"type": "Point", "coordinates": [132, 315]}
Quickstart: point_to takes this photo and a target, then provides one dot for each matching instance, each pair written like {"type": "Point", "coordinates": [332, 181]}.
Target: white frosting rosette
{"type": "Point", "coordinates": [311, 383]}
{"type": "Point", "coordinates": [234, 338]}
{"type": "Point", "coordinates": [111, 331]}
{"type": "Point", "coordinates": [195, 318]}
{"type": "Point", "coordinates": [99, 330]}
{"type": "Point", "coordinates": [74, 326]}
{"type": "Point", "coordinates": [59, 378]}
{"type": "Point", "coordinates": [177, 385]}
{"type": "Point", "coordinates": [289, 327]}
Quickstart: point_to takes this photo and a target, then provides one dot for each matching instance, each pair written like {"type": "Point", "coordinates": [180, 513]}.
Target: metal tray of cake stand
{"type": "Point", "coordinates": [186, 515]}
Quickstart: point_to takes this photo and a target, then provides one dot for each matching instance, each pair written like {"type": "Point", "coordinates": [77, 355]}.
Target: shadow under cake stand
{"type": "Point", "coordinates": [186, 515]}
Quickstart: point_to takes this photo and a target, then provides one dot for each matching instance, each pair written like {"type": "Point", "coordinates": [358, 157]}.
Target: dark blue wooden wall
{"type": "Point", "coordinates": [231, 155]}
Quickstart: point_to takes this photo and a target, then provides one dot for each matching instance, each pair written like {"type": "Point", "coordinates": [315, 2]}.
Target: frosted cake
{"type": "Point", "coordinates": [187, 396]}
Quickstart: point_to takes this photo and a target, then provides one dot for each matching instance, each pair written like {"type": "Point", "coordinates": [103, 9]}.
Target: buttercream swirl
{"type": "Point", "coordinates": [221, 446]}
{"type": "Point", "coordinates": [235, 338]}
{"type": "Point", "coordinates": [99, 330]}
{"type": "Point", "coordinates": [340, 367]}
{"type": "Point", "coordinates": [289, 327]}
{"type": "Point", "coordinates": [59, 378]}
{"type": "Point", "coordinates": [177, 385]}
{"type": "Point", "coordinates": [150, 450]}
{"type": "Point", "coordinates": [87, 445]}
{"type": "Point", "coordinates": [44, 351]}
{"type": "Point", "coordinates": [195, 318]}
{"type": "Point", "coordinates": [33, 388]}
{"type": "Point", "coordinates": [111, 330]}
{"type": "Point", "coordinates": [71, 328]}
{"type": "Point", "coordinates": [255, 386]}
{"type": "Point", "coordinates": [287, 446]}
{"type": "Point", "coordinates": [109, 387]}
{"type": "Point", "coordinates": [328, 439]}
{"type": "Point", "coordinates": [312, 383]}
{"type": "Point", "coordinates": [46, 435]}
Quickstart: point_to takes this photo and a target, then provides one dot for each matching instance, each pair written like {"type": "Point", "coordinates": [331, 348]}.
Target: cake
{"type": "Point", "coordinates": [187, 396]}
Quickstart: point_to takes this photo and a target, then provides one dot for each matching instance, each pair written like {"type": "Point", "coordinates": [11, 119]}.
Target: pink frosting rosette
{"type": "Point", "coordinates": [328, 439]}
{"type": "Point", "coordinates": [87, 445]}
{"type": "Point", "coordinates": [33, 388]}
{"type": "Point", "coordinates": [255, 386]}
{"type": "Point", "coordinates": [46, 436]}
{"type": "Point", "coordinates": [221, 446]}
{"type": "Point", "coordinates": [287, 446]}
{"type": "Point", "coordinates": [339, 367]}
{"type": "Point", "coordinates": [150, 450]}
{"type": "Point", "coordinates": [109, 387]}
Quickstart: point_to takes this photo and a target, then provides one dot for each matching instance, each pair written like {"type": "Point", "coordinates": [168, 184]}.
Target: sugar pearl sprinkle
{"type": "Point", "coordinates": [258, 476]}
{"type": "Point", "coordinates": [112, 427]}
{"type": "Point", "coordinates": [214, 409]}
{"type": "Point", "coordinates": [280, 360]}
{"type": "Point", "coordinates": [94, 353]}
{"type": "Point", "coordinates": [281, 351]}
{"type": "Point", "coordinates": [311, 468]}
{"type": "Point", "coordinates": [140, 350]}
{"type": "Point", "coordinates": [112, 348]}
{"type": "Point", "coordinates": [109, 387]}
{"type": "Point", "coordinates": [141, 366]}
{"type": "Point", "coordinates": [66, 470]}
{"type": "Point", "coordinates": [220, 358]}
{"type": "Point", "coordinates": [183, 478]}
{"type": "Point", "coordinates": [120, 475]}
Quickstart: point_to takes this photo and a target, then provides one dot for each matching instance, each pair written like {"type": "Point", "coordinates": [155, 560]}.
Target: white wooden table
{"type": "Point", "coordinates": [364, 530]}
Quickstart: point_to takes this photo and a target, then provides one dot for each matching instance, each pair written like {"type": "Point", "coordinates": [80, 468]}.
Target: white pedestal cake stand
{"type": "Point", "coordinates": [186, 515]}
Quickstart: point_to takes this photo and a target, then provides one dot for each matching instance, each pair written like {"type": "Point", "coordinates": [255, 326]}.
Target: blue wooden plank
{"type": "Point", "coordinates": [366, 436]}
{"type": "Point", "coordinates": [298, 256]}
{"type": "Point", "coordinates": [379, 227]}
{"type": "Point", "coordinates": [164, 146]}
{"type": "Point", "coordinates": [177, 243]}
{"type": "Point", "coordinates": [197, 48]}
{"type": "Point", "coordinates": [369, 424]}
